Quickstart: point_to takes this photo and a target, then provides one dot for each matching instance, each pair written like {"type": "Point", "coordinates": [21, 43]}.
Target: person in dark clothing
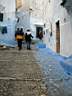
{"type": "Point", "coordinates": [40, 35]}
{"type": "Point", "coordinates": [28, 39]}
{"type": "Point", "coordinates": [19, 37]}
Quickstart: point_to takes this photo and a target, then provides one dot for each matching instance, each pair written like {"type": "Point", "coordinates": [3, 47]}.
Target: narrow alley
{"type": "Point", "coordinates": [35, 48]}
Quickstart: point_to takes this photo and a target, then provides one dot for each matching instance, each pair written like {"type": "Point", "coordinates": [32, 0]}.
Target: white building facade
{"type": "Point", "coordinates": [58, 22]}
{"type": "Point", "coordinates": [50, 16]}
{"type": "Point", "coordinates": [36, 19]}
{"type": "Point", "coordinates": [7, 14]}
{"type": "Point", "coordinates": [23, 13]}
{"type": "Point", "coordinates": [10, 12]}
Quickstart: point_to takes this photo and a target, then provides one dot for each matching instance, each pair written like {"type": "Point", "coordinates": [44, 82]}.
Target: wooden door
{"type": "Point", "coordinates": [58, 37]}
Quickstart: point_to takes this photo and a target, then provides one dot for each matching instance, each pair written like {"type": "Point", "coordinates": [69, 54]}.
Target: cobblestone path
{"type": "Point", "coordinates": [20, 75]}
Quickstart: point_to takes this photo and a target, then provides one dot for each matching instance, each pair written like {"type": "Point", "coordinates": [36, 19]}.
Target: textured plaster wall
{"type": "Point", "coordinates": [54, 13]}
{"type": "Point", "coordinates": [8, 19]}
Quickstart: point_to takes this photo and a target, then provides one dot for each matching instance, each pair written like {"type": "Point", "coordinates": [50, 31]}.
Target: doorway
{"type": "Point", "coordinates": [38, 30]}
{"type": "Point", "coordinates": [58, 37]}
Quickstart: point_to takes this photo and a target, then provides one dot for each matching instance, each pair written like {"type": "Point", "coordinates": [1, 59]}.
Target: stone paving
{"type": "Point", "coordinates": [20, 74]}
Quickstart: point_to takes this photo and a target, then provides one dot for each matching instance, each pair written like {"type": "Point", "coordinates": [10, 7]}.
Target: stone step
{"type": "Point", "coordinates": [20, 74]}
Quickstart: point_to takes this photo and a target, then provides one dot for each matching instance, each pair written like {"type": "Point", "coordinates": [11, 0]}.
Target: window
{"type": "Point", "coordinates": [3, 29]}
{"type": "Point", "coordinates": [1, 17]}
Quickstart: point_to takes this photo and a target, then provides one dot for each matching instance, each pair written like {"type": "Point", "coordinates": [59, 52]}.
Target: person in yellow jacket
{"type": "Point", "coordinates": [19, 37]}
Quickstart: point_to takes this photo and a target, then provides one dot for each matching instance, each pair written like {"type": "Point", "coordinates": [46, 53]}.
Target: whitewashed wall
{"type": "Point", "coordinates": [9, 20]}
{"type": "Point", "coordinates": [24, 20]}
{"type": "Point", "coordinates": [48, 20]}
{"type": "Point", "coordinates": [24, 15]}
{"type": "Point", "coordinates": [36, 15]}
{"type": "Point", "coordinates": [66, 34]}
{"type": "Point", "coordinates": [34, 22]}
{"type": "Point", "coordinates": [61, 14]}
{"type": "Point", "coordinates": [54, 13]}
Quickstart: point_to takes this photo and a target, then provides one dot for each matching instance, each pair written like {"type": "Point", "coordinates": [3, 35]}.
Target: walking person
{"type": "Point", "coordinates": [40, 35]}
{"type": "Point", "coordinates": [28, 39]}
{"type": "Point", "coordinates": [19, 37]}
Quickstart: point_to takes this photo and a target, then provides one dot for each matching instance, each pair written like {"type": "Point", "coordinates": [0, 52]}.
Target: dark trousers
{"type": "Point", "coordinates": [20, 44]}
{"type": "Point", "coordinates": [28, 45]}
